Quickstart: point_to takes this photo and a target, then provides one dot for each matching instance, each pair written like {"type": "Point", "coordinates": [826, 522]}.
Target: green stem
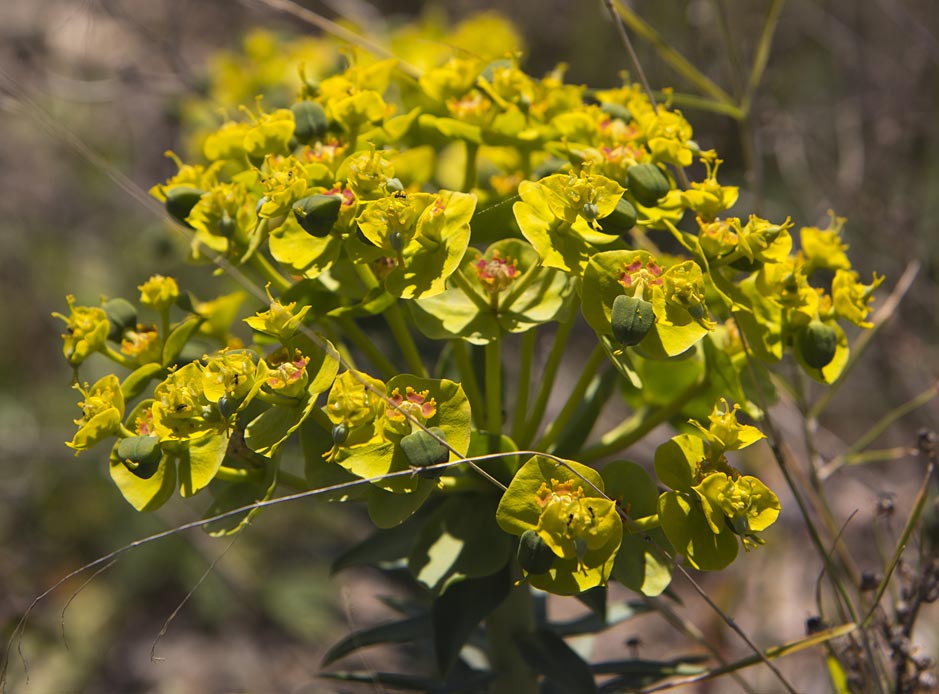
{"type": "Point", "coordinates": [494, 391]}
{"type": "Point", "coordinates": [121, 359]}
{"type": "Point", "coordinates": [526, 359]}
{"type": "Point", "coordinates": [547, 383]}
{"type": "Point", "coordinates": [399, 328]}
{"type": "Point", "coordinates": [731, 47]}
{"type": "Point", "coordinates": [636, 427]}
{"type": "Point", "coordinates": [288, 479]}
{"type": "Point", "coordinates": [576, 397]}
{"type": "Point", "coordinates": [469, 171]}
{"type": "Point", "coordinates": [519, 287]}
{"type": "Point", "coordinates": [762, 53]}
{"type": "Point", "coordinates": [270, 273]}
{"type": "Point", "coordinates": [460, 280]}
{"type": "Point", "coordinates": [469, 382]}
{"type": "Point", "coordinates": [678, 62]}
{"type": "Point", "coordinates": [702, 103]}
{"type": "Point", "coordinates": [232, 474]}
{"type": "Point", "coordinates": [514, 617]}
{"type": "Point", "coordinates": [357, 337]}
{"type": "Point", "coordinates": [642, 525]}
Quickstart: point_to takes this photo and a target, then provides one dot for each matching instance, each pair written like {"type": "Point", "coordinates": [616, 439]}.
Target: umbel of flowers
{"type": "Point", "coordinates": [470, 204]}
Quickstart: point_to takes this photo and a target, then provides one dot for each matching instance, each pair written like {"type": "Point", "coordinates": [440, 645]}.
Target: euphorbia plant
{"type": "Point", "coordinates": [468, 205]}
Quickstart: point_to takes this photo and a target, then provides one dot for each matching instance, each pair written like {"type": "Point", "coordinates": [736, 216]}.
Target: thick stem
{"type": "Point", "coordinates": [357, 337]}
{"type": "Point", "coordinates": [469, 382]}
{"type": "Point", "coordinates": [574, 399]}
{"type": "Point", "coordinates": [399, 328]}
{"type": "Point", "coordinates": [494, 392]}
{"type": "Point", "coordinates": [526, 358]}
{"type": "Point", "coordinates": [469, 172]}
{"type": "Point", "coordinates": [260, 263]}
{"type": "Point", "coordinates": [513, 617]}
{"type": "Point", "coordinates": [547, 383]}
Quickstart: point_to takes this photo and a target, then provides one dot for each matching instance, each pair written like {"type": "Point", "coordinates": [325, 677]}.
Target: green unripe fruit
{"type": "Point", "coordinates": [227, 405]}
{"type": "Point", "coordinates": [631, 319]}
{"type": "Point", "coordinates": [180, 201]}
{"type": "Point", "coordinates": [140, 454]}
{"type": "Point", "coordinates": [340, 433]}
{"type": "Point", "coordinates": [534, 554]}
{"type": "Point", "coordinates": [591, 211]}
{"type": "Point", "coordinates": [647, 183]}
{"type": "Point", "coordinates": [394, 185]}
{"type": "Point", "coordinates": [317, 213]}
{"type": "Point", "coordinates": [123, 316]}
{"type": "Point", "coordinates": [226, 226]}
{"type": "Point", "coordinates": [621, 219]}
{"type": "Point", "coordinates": [422, 449]}
{"type": "Point", "coordinates": [617, 111]}
{"type": "Point", "coordinates": [739, 524]}
{"type": "Point", "coordinates": [311, 121]}
{"type": "Point", "coordinates": [396, 239]}
{"type": "Point", "coordinates": [817, 343]}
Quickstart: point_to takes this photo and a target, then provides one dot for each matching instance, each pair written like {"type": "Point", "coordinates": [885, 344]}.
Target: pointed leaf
{"type": "Point", "coordinates": [458, 612]}
{"type": "Point", "coordinates": [548, 654]}
{"type": "Point", "coordinates": [404, 631]}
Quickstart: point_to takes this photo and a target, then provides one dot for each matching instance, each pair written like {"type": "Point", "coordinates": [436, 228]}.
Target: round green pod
{"type": "Point", "coordinates": [621, 219]}
{"type": "Point", "coordinates": [180, 200]}
{"type": "Point", "coordinates": [123, 316]}
{"type": "Point", "coordinates": [228, 405]}
{"type": "Point", "coordinates": [317, 213]}
{"type": "Point", "coordinates": [631, 319]}
{"type": "Point", "coordinates": [311, 121]}
{"type": "Point", "coordinates": [617, 111]}
{"type": "Point", "coordinates": [340, 433]}
{"type": "Point", "coordinates": [534, 554]}
{"type": "Point", "coordinates": [422, 449]}
{"type": "Point", "coordinates": [591, 211]}
{"type": "Point", "coordinates": [647, 183]}
{"type": "Point", "coordinates": [140, 454]}
{"type": "Point", "coordinates": [817, 344]}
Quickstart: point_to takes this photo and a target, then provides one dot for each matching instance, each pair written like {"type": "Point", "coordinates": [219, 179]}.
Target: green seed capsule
{"type": "Point", "coordinates": [228, 406]}
{"type": "Point", "coordinates": [394, 185]}
{"type": "Point", "coordinates": [817, 343]}
{"type": "Point", "coordinates": [317, 213]}
{"type": "Point", "coordinates": [591, 211]}
{"type": "Point", "coordinates": [534, 554]}
{"type": "Point", "coordinates": [140, 454]}
{"type": "Point", "coordinates": [621, 219]}
{"type": "Point", "coordinates": [739, 524]}
{"type": "Point", "coordinates": [396, 239]}
{"type": "Point", "coordinates": [631, 319]}
{"type": "Point", "coordinates": [180, 201]}
{"type": "Point", "coordinates": [123, 316]}
{"type": "Point", "coordinates": [617, 111]}
{"type": "Point", "coordinates": [647, 183]}
{"type": "Point", "coordinates": [226, 226]}
{"type": "Point", "coordinates": [311, 121]}
{"type": "Point", "coordinates": [421, 449]}
{"type": "Point", "coordinates": [340, 433]}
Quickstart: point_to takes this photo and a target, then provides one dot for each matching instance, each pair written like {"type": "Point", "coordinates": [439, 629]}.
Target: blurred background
{"type": "Point", "coordinates": [846, 118]}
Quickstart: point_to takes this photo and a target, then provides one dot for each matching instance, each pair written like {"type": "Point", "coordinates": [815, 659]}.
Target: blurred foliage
{"type": "Point", "coordinates": [845, 119]}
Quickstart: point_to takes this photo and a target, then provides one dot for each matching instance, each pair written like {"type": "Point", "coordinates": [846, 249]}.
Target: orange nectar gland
{"type": "Point", "coordinates": [289, 377]}
{"type": "Point", "coordinates": [413, 403]}
{"type": "Point", "coordinates": [497, 273]}
{"type": "Point", "coordinates": [564, 500]}
{"type": "Point", "coordinates": [641, 275]}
